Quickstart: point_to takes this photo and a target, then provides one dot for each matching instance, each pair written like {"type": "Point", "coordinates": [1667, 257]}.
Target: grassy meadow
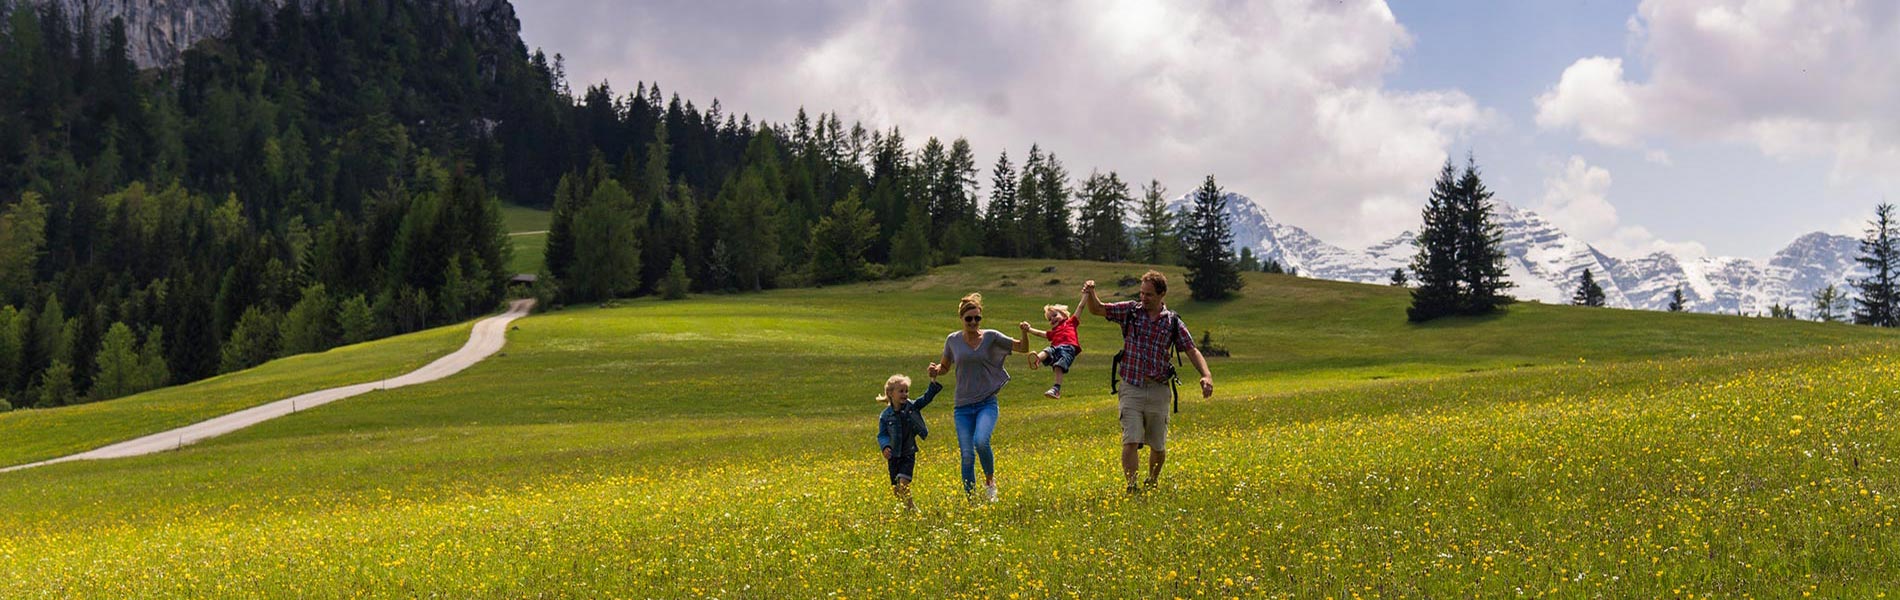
{"type": "Point", "coordinates": [722, 446]}
{"type": "Point", "coordinates": [528, 233]}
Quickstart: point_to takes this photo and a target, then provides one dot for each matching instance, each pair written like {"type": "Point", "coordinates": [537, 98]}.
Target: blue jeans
{"type": "Point", "coordinates": [975, 422]}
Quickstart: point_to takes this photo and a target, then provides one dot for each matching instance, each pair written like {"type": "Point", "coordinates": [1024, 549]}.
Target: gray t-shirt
{"type": "Point", "coordinates": [980, 371]}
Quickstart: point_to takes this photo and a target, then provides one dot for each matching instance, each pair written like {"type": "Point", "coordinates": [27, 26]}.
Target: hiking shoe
{"type": "Point", "coordinates": [1054, 393]}
{"type": "Point", "coordinates": [1133, 491]}
{"type": "Point", "coordinates": [989, 493]}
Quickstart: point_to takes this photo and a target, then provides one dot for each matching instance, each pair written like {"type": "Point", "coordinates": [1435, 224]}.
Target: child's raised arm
{"type": "Point", "coordinates": [1029, 331]}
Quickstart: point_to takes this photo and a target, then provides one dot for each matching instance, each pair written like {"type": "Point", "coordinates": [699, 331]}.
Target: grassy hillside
{"type": "Point", "coordinates": [527, 229]}
{"type": "Point", "coordinates": [722, 446]}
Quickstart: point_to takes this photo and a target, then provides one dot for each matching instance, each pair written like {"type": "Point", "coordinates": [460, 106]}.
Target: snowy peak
{"type": "Point", "coordinates": [1545, 263]}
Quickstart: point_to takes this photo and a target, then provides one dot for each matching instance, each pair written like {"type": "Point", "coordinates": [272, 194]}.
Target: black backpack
{"type": "Point", "coordinates": [1174, 380]}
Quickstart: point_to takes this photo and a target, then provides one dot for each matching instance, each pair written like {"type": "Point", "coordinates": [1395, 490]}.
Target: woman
{"type": "Point", "coordinates": [978, 355]}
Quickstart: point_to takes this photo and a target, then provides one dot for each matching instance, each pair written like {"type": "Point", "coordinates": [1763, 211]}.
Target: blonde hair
{"type": "Point", "coordinates": [890, 384]}
{"type": "Point", "coordinates": [1061, 310]}
{"type": "Point", "coordinates": [974, 300]}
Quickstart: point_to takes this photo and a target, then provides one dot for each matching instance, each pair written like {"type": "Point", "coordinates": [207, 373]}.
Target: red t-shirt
{"type": "Point", "coordinates": [1064, 333]}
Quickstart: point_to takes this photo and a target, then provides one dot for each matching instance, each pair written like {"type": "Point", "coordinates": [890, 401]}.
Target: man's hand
{"type": "Point", "coordinates": [887, 453]}
{"type": "Point", "coordinates": [1207, 386]}
{"type": "Point", "coordinates": [1088, 288]}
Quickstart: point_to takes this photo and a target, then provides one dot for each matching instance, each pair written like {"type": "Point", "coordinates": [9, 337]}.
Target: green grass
{"type": "Point", "coordinates": [518, 219]}
{"type": "Point", "coordinates": [33, 435]}
{"type": "Point", "coordinates": [722, 446]}
{"type": "Point", "coordinates": [528, 232]}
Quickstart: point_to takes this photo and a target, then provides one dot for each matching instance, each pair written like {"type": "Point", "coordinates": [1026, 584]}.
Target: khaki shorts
{"type": "Point", "coordinates": [1144, 414]}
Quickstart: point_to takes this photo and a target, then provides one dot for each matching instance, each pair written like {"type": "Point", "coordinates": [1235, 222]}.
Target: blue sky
{"type": "Point", "coordinates": [1725, 127]}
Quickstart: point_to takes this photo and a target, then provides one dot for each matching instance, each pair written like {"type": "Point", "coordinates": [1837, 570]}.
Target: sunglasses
{"type": "Point", "coordinates": [973, 319]}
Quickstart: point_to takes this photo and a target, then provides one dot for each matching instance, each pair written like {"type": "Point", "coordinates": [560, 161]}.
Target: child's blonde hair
{"type": "Point", "coordinates": [890, 384]}
{"type": "Point", "coordinates": [1061, 310]}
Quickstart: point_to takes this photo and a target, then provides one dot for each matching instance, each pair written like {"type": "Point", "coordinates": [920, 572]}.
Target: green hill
{"type": "Point", "coordinates": [722, 446]}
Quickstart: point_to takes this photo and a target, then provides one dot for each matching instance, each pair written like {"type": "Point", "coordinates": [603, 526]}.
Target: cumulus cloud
{"type": "Point", "coordinates": [1795, 80]}
{"type": "Point", "coordinates": [1283, 101]}
{"type": "Point", "coordinates": [1577, 200]}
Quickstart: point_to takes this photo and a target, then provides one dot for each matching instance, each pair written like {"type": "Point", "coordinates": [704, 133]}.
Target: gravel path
{"type": "Point", "coordinates": [486, 339]}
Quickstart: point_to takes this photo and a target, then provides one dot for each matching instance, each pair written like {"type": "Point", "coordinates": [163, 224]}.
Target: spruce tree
{"type": "Point", "coordinates": [117, 363]}
{"type": "Point", "coordinates": [676, 284]}
{"type": "Point", "coordinates": [1480, 246]}
{"type": "Point", "coordinates": [1209, 239]}
{"type": "Point", "coordinates": [839, 240]}
{"type": "Point", "coordinates": [1398, 278]}
{"type": "Point", "coordinates": [1436, 264]}
{"type": "Point", "coordinates": [1880, 259]}
{"type": "Point", "coordinates": [1247, 263]}
{"type": "Point", "coordinates": [606, 249]}
{"type": "Point", "coordinates": [1588, 292]}
{"type": "Point", "coordinates": [1676, 301]}
{"type": "Point", "coordinates": [1104, 232]}
{"type": "Point", "coordinates": [999, 218]}
{"type": "Point", "coordinates": [1156, 238]}
{"type": "Point", "coordinates": [154, 373]}
{"type": "Point", "coordinates": [354, 320]}
{"type": "Point", "coordinates": [56, 385]}
{"type": "Point", "coordinates": [1830, 304]}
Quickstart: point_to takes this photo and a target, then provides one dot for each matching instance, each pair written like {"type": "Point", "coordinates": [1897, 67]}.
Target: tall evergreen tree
{"type": "Point", "coordinates": [999, 218]}
{"type": "Point", "coordinates": [1676, 300]}
{"type": "Point", "coordinates": [1439, 286]}
{"type": "Point", "coordinates": [1156, 240]}
{"type": "Point", "coordinates": [1588, 292]}
{"type": "Point", "coordinates": [839, 240]}
{"type": "Point", "coordinates": [1210, 239]}
{"type": "Point", "coordinates": [1480, 245]}
{"type": "Point", "coordinates": [1057, 230]}
{"type": "Point", "coordinates": [118, 365]}
{"type": "Point", "coordinates": [606, 246]}
{"type": "Point", "coordinates": [1398, 278]}
{"type": "Point", "coordinates": [1880, 259]}
{"type": "Point", "coordinates": [910, 251]}
{"type": "Point", "coordinates": [1104, 231]}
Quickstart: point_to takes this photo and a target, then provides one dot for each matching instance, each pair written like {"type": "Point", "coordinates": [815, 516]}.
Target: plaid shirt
{"type": "Point", "coordinates": [1147, 340]}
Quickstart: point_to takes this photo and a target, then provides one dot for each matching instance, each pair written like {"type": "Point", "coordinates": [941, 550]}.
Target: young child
{"type": "Point", "coordinates": [898, 429]}
{"type": "Point", "coordinates": [1064, 344]}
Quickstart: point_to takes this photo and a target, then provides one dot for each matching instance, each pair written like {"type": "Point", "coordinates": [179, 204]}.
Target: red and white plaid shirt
{"type": "Point", "coordinates": [1147, 340]}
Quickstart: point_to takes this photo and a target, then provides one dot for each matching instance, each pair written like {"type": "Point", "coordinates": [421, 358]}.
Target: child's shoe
{"type": "Point", "coordinates": [1054, 392]}
{"type": "Point", "coordinates": [1034, 363]}
{"type": "Point", "coordinates": [989, 492]}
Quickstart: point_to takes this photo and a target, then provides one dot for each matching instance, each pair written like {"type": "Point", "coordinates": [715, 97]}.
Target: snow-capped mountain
{"type": "Point", "coordinates": [1545, 263]}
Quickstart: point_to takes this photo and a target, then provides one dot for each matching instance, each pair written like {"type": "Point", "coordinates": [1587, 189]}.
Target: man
{"type": "Point", "coordinates": [1146, 389]}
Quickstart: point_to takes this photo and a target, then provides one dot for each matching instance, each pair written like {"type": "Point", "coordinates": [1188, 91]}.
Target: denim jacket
{"type": "Point", "coordinates": [899, 429]}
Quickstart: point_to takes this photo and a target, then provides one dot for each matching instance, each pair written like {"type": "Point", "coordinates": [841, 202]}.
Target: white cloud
{"type": "Point", "coordinates": [1283, 101]}
{"type": "Point", "coordinates": [1576, 199]}
{"type": "Point", "coordinates": [1794, 79]}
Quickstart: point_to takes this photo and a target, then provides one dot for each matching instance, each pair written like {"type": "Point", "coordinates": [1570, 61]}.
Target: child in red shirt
{"type": "Point", "coordinates": [1064, 344]}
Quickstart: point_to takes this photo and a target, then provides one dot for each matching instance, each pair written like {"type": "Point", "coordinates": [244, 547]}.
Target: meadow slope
{"type": "Point", "coordinates": [722, 446]}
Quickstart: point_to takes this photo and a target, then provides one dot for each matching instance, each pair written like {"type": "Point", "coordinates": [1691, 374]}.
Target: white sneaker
{"type": "Point", "coordinates": [989, 492]}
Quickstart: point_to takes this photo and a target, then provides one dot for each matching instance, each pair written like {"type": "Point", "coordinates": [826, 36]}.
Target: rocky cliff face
{"type": "Point", "coordinates": [157, 31]}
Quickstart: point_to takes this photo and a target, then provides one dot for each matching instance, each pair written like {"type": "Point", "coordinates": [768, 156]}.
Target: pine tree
{"type": "Point", "coordinates": [154, 373]}
{"type": "Point", "coordinates": [1830, 305]}
{"type": "Point", "coordinates": [309, 326]}
{"type": "Point", "coordinates": [1247, 263]}
{"type": "Point", "coordinates": [1676, 300]}
{"type": "Point", "coordinates": [676, 284]}
{"type": "Point", "coordinates": [22, 243]}
{"type": "Point", "coordinates": [1104, 233]}
{"type": "Point", "coordinates": [56, 385]}
{"type": "Point", "coordinates": [117, 363]}
{"type": "Point", "coordinates": [1398, 278]}
{"type": "Point", "coordinates": [1058, 231]}
{"type": "Point", "coordinates": [910, 250]}
{"type": "Point", "coordinates": [839, 240]}
{"type": "Point", "coordinates": [1157, 241]}
{"type": "Point", "coordinates": [1209, 240]}
{"type": "Point", "coordinates": [999, 218]}
{"type": "Point", "coordinates": [253, 341]}
{"type": "Point", "coordinates": [606, 249]}
{"type": "Point", "coordinates": [1436, 264]}
{"type": "Point", "coordinates": [1588, 292]}
{"type": "Point", "coordinates": [12, 347]}
{"type": "Point", "coordinates": [1480, 246]}
{"type": "Point", "coordinates": [355, 321]}
{"type": "Point", "coordinates": [1880, 259]}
